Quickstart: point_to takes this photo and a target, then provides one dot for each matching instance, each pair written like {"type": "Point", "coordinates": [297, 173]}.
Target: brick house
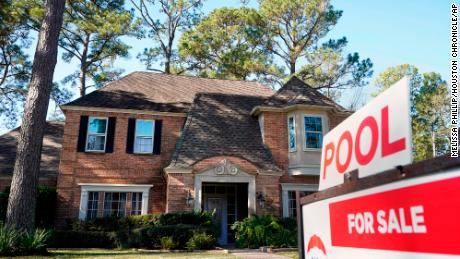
{"type": "Point", "coordinates": [155, 143]}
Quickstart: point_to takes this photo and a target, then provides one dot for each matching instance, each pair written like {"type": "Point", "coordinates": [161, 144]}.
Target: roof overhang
{"type": "Point", "coordinates": [259, 109]}
{"type": "Point", "coordinates": [117, 110]}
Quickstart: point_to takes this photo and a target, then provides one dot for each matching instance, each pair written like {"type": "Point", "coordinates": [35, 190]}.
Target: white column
{"type": "Point", "coordinates": [83, 204]}
{"type": "Point", "coordinates": [145, 202]}
{"type": "Point", "coordinates": [285, 203]}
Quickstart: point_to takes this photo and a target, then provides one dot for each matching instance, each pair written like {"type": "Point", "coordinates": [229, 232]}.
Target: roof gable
{"type": "Point", "coordinates": [221, 125]}
{"type": "Point", "coordinates": [295, 92]}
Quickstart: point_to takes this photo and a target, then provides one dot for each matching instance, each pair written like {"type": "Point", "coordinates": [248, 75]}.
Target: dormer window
{"type": "Point", "coordinates": [313, 128]}
{"type": "Point", "coordinates": [97, 133]}
{"type": "Point", "coordinates": [291, 133]}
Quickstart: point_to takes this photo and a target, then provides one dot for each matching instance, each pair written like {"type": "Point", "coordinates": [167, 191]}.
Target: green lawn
{"type": "Point", "coordinates": [293, 255]}
{"type": "Point", "coordinates": [111, 253]}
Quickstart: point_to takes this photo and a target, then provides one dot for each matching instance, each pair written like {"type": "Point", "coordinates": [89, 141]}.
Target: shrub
{"type": "Point", "coordinates": [8, 240]}
{"type": "Point", "coordinates": [82, 239]}
{"type": "Point", "coordinates": [267, 230]}
{"type": "Point", "coordinates": [167, 243]}
{"type": "Point", "coordinates": [200, 241]}
{"type": "Point", "coordinates": [34, 242]}
{"type": "Point", "coordinates": [45, 210]}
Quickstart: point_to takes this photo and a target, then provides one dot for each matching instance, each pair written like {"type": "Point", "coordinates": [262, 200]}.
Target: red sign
{"type": "Point", "coordinates": [421, 218]}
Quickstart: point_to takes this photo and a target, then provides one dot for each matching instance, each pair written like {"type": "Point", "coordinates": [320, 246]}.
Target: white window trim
{"type": "Point", "coordinates": [94, 187]}
{"type": "Point", "coordinates": [295, 134]}
{"type": "Point", "coordinates": [97, 134]}
{"type": "Point", "coordinates": [286, 187]}
{"type": "Point", "coordinates": [261, 126]}
{"type": "Point", "coordinates": [304, 140]}
{"type": "Point", "coordinates": [135, 136]}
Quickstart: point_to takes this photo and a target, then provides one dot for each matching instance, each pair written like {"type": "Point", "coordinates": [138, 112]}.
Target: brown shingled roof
{"type": "Point", "coordinates": [52, 142]}
{"type": "Point", "coordinates": [221, 124]}
{"type": "Point", "coordinates": [162, 92]}
{"type": "Point", "coordinates": [295, 91]}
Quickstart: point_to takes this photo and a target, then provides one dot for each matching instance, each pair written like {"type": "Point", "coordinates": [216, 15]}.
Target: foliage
{"type": "Point", "coordinates": [429, 111]}
{"type": "Point", "coordinates": [200, 241]}
{"type": "Point", "coordinates": [82, 239]}
{"type": "Point", "coordinates": [146, 231]}
{"type": "Point", "coordinates": [176, 15]}
{"type": "Point", "coordinates": [14, 242]}
{"type": "Point", "coordinates": [266, 230]}
{"type": "Point", "coordinates": [8, 239]}
{"type": "Point", "coordinates": [34, 242]}
{"type": "Point", "coordinates": [45, 208]}
{"type": "Point", "coordinates": [228, 43]}
{"type": "Point", "coordinates": [167, 243]}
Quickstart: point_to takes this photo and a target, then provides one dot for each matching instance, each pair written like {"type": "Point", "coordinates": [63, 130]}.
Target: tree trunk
{"type": "Point", "coordinates": [292, 67]}
{"type": "Point", "coordinates": [83, 69]}
{"type": "Point", "coordinates": [433, 141]}
{"type": "Point", "coordinates": [22, 199]}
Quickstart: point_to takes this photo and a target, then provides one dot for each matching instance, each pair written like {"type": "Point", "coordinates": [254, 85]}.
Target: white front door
{"type": "Point", "coordinates": [219, 205]}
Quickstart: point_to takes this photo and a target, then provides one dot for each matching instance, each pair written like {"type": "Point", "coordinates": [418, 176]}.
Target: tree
{"type": "Point", "coordinates": [228, 43]}
{"type": "Point", "coordinates": [177, 15]}
{"type": "Point", "coordinates": [14, 64]}
{"type": "Point", "coordinates": [429, 109]}
{"type": "Point", "coordinates": [22, 198]}
{"type": "Point", "coordinates": [91, 34]}
{"type": "Point", "coordinates": [295, 29]}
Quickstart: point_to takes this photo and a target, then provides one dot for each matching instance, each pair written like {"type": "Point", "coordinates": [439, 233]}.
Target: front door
{"type": "Point", "coordinates": [218, 203]}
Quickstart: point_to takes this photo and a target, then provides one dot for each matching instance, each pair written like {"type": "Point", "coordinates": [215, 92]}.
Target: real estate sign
{"type": "Point", "coordinates": [375, 138]}
{"type": "Point", "coordinates": [413, 218]}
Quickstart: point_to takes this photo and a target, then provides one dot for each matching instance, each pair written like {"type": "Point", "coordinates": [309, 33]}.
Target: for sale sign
{"type": "Point", "coordinates": [375, 138]}
{"type": "Point", "coordinates": [414, 218]}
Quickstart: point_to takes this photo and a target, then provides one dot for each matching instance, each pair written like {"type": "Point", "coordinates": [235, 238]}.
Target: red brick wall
{"type": "Point", "coordinates": [117, 167]}
{"type": "Point", "coordinates": [177, 191]}
{"type": "Point", "coordinates": [275, 137]}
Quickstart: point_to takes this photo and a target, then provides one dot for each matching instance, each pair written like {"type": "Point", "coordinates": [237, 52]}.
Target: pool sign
{"type": "Point", "coordinates": [375, 138]}
{"type": "Point", "coordinates": [412, 218]}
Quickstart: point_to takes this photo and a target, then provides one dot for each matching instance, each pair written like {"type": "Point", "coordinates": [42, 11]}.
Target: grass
{"type": "Point", "coordinates": [128, 254]}
{"type": "Point", "coordinates": [293, 254]}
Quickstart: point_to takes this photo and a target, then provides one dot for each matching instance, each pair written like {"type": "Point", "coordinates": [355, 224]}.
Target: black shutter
{"type": "Point", "coordinates": [82, 134]}
{"type": "Point", "coordinates": [157, 137]}
{"type": "Point", "coordinates": [110, 135]}
{"type": "Point", "coordinates": [130, 136]}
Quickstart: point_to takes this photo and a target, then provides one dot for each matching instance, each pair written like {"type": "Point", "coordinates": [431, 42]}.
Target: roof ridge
{"type": "Point", "coordinates": [198, 77]}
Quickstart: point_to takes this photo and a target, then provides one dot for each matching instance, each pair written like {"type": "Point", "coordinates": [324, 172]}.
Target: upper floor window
{"type": "Point", "coordinates": [291, 132]}
{"type": "Point", "coordinates": [313, 132]}
{"type": "Point", "coordinates": [143, 141]}
{"type": "Point", "coordinates": [97, 134]}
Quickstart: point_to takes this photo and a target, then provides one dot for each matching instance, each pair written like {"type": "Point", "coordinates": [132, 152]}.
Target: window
{"type": "Point", "coordinates": [97, 132]}
{"type": "Point", "coordinates": [93, 198]}
{"type": "Point", "coordinates": [313, 132]}
{"type": "Point", "coordinates": [143, 141]}
{"type": "Point", "coordinates": [291, 132]}
{"type": "Point", "coordinates": [292, 202]}
{"type": "Point", "coordinates": [114, 204]}
{"type": "Point", "coordinates": [136, 203]}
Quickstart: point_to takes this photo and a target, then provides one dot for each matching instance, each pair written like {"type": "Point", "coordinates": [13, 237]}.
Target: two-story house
{"type": "Point", "coordinates": [155, 143]}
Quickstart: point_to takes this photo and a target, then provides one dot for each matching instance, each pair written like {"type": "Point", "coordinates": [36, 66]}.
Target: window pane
{"type": "Point", "coordinates": [144, 128]}
{"type": "Point", "coordinates": [91, 211]}
{"type": "Point", "coordinates": [136, 203]}
{"type": "Point", "coordinates": [313, 124]}
{"type": "Point", "coordinates": [291, 128]}
{"type": "Point", "coordinates": [314, 140]}
{"type": "Point", "coordinates": [114, 204]}
{"type": "Point", "coordinates": [97, 125]}
{"type": "Point", "coordinates": [95, 142]}
{"type": "Point", "coordinates": [143, 145]}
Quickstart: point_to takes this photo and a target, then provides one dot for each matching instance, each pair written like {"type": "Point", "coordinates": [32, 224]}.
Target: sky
{"type": "Point", "coordinates": [389, 32]}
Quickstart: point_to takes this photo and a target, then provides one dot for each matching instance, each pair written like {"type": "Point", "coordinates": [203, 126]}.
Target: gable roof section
{"type": "Point", "coordinates": [297, 92]}
{"type": "Point", "coordinates": [162, 92]}
{"type": "Point", "coordinates": [221, 125]}
{"type": "Point", "coordinates": [52, 142]}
